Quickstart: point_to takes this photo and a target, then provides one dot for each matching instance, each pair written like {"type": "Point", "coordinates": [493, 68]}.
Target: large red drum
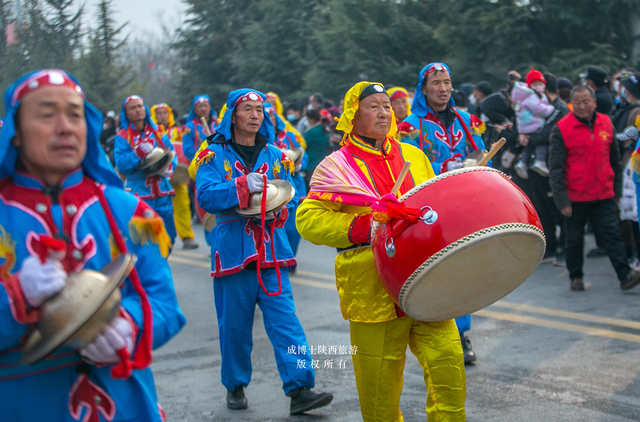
{"type": "Point", "coordinates": [479, 238]}
{"type": "Point", "coordinates": [181, 173]}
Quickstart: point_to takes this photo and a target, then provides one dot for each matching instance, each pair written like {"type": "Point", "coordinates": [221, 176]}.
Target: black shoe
{"type": "Point", "coordinates": [303, 400]}
{"type": "Point", "coordinates": [560, 260]}
{"type": "Point", "coordinates": [236, 399]}
{"type": "Point", "coordinates": [577, 285]}
{"type": "Point", "coordinates": [189, 244]}
{"type": "Point", "coordinates": [632, 280]}
{"type": "Point", "coordinates": [469, 354]}
{"type": "Point", "coordinates": [597, 252]}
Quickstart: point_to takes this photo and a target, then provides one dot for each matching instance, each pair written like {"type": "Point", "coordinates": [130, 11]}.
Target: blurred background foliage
{"type": "Point", "coordinates": [296, 48]}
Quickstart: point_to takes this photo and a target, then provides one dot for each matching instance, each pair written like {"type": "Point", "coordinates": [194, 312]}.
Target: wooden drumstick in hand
{"type": "Point", "coordinates": [207, 131]}
{"type": "Point", "coordinates": [403, 174]}
{"type": "Point", "coordinates": [494, 150]}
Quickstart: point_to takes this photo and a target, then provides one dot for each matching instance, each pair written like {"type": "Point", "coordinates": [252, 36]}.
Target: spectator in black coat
{"type": "Point", "coordinates": [596, 79]}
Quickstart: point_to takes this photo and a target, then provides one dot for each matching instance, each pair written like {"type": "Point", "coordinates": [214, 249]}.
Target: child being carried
{"type": "Point", "coordinates": [532, 109]}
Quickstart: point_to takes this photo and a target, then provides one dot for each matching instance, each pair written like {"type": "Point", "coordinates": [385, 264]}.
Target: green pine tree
{"type": "Point", "coordinates": [205, 45]}
{"type": "Point", "coordinates": [105, 79]}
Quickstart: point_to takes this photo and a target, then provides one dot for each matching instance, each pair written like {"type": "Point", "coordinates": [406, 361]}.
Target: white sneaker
{"type": "Point", "coordinates": [541, 168]}
{"type": "Point", "coordinates": [521, 170]}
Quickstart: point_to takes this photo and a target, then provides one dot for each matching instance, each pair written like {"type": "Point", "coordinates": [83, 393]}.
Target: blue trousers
{"type": "Point", "coordinates": [236, 296]}
{"type": "Point", "coordinates": [164, 207]}
{"type": "Point", "coordinates": [463, 323]}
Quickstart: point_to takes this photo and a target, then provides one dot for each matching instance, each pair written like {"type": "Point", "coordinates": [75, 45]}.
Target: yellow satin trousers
{"type": "Point", "coordinates": [379, 364]}
{"type": "Point", "coordinates": [182, 212]}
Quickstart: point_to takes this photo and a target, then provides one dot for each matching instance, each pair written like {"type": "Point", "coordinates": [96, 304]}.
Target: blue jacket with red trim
{"type": "Point", "coordinates": [75, 213]}
{"type": "Point", "coordinates": [127, 161]}
{"type": "Point", "coordinates": [442, 144]}
{"type": "Point", "coordinates": [221, 186]}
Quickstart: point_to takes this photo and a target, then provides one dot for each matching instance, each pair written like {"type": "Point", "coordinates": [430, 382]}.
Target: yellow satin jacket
{"type": "Point", "coordinates": [362, 296]}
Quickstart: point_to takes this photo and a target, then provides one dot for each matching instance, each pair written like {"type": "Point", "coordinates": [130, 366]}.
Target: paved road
{"type": "Point", "coordinates": [544, 353]}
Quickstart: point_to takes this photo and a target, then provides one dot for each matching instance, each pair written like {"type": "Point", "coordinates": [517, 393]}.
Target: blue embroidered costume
{"type": "Point", "coordinates": [242, 255]}
{"type": "Point", "coordinates": [96, 220]}
{"type": "Point", "coordinates": [426, 130]}
{"type": "Point", "coordinates": [155, 190]}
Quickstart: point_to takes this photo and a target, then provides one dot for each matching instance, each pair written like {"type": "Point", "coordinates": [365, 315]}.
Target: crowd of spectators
{"type": "Point", "coordinates": [527, 112]}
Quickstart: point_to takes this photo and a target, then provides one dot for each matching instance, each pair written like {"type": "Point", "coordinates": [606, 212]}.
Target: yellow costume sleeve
{"type": "Point", "coordinates": [327, 223]}
{"type": "Point", "coordinates": [193, 167]}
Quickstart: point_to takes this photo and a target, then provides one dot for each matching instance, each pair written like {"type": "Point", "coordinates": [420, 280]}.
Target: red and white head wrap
{"type": "Point", "coordinates": [131, 98]}
{"type": "Point", "coordinates": [47, 77]}
{"type": "Point", "coordinates": [249, 96]}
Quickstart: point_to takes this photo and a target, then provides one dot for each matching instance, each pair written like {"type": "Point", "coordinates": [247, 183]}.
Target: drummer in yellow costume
{"type": "Point", "coordinates": [334, 214]}
{"type": "Point", "coordinates": [162, 115]}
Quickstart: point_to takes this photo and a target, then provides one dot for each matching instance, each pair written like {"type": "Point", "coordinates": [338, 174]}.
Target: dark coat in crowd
{"type": "Point", "coordinates": [496, 108]}
{"type": "Point", "coordinates": [605, 101]}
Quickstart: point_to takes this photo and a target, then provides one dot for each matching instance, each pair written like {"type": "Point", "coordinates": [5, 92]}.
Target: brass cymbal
{"type": "Point", "coordinates": [89, 302]}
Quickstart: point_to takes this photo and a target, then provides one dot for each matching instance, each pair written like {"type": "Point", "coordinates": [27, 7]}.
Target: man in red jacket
{"type": "Point", "coordinates": [586, 180]}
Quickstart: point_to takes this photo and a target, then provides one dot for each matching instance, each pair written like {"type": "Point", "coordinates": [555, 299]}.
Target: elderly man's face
{"type": "Point", "coordinates": [162, 116]}
{"type": "Point", "coordinates": [52, 133]}
{"type": "Point", "coordinates": [400, 108]}
{"type": "Point", "coordinates": [584, 105]}
{"type": "Point", "coordinates": [373, 118]}
{"type": "Point", "coordinates": [248, 117]}
{"type": "Point", "coordinates": [202, 109]}
{"type": "Point", "coordinates": [437, 88]}
{"type": "Point", "coordinates": [135, 111]}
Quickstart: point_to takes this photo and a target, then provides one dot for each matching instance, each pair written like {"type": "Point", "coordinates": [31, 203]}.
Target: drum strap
{"type": "Point", "coordinates": [354, 247]}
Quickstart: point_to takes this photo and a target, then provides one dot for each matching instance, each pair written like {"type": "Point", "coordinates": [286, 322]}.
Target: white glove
{"type": "Point", "coordinates": [146, 147]}
{"type": "Point", "coordinates": [104, 348]}
{"type": "Point", "coordinates": [255, 182]}
{"type": "Point", "coordinates": [454, 165]}
{"type": "Point", "coordinates": [298, 168]}
{"type": "Point", "coordinates": [41, 281]}
{"type": "Point", "coordinates": [269, 216]}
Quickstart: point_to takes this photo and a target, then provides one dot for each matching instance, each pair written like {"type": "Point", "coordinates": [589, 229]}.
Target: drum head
{"type": "Point", "coordinates": [473, 272]}
{"type": "Point", "coordinates": [180, 175]}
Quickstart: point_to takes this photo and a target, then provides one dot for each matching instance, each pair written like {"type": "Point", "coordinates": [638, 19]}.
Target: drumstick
{"type": "Point", "coordinates": [494, 150]}
{"type": "Point", "coordinates": [207, 131]}
{"type": "Point", "coordinates": [403, 174]}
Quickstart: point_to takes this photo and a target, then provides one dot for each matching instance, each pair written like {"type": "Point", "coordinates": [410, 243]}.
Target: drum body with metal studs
{"type": "Point", "coordinates": [479, 238]}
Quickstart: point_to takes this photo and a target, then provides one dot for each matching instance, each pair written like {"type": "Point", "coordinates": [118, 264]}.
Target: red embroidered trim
{"type": "Point", "coordinates": [19, 309]}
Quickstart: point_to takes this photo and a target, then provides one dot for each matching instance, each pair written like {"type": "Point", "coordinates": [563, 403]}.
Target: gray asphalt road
{"type": "Point", "coordinates": [544, 353]}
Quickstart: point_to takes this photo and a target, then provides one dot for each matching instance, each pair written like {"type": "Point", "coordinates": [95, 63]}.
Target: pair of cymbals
{"type": "Point", "coordinates": [88, 303]}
